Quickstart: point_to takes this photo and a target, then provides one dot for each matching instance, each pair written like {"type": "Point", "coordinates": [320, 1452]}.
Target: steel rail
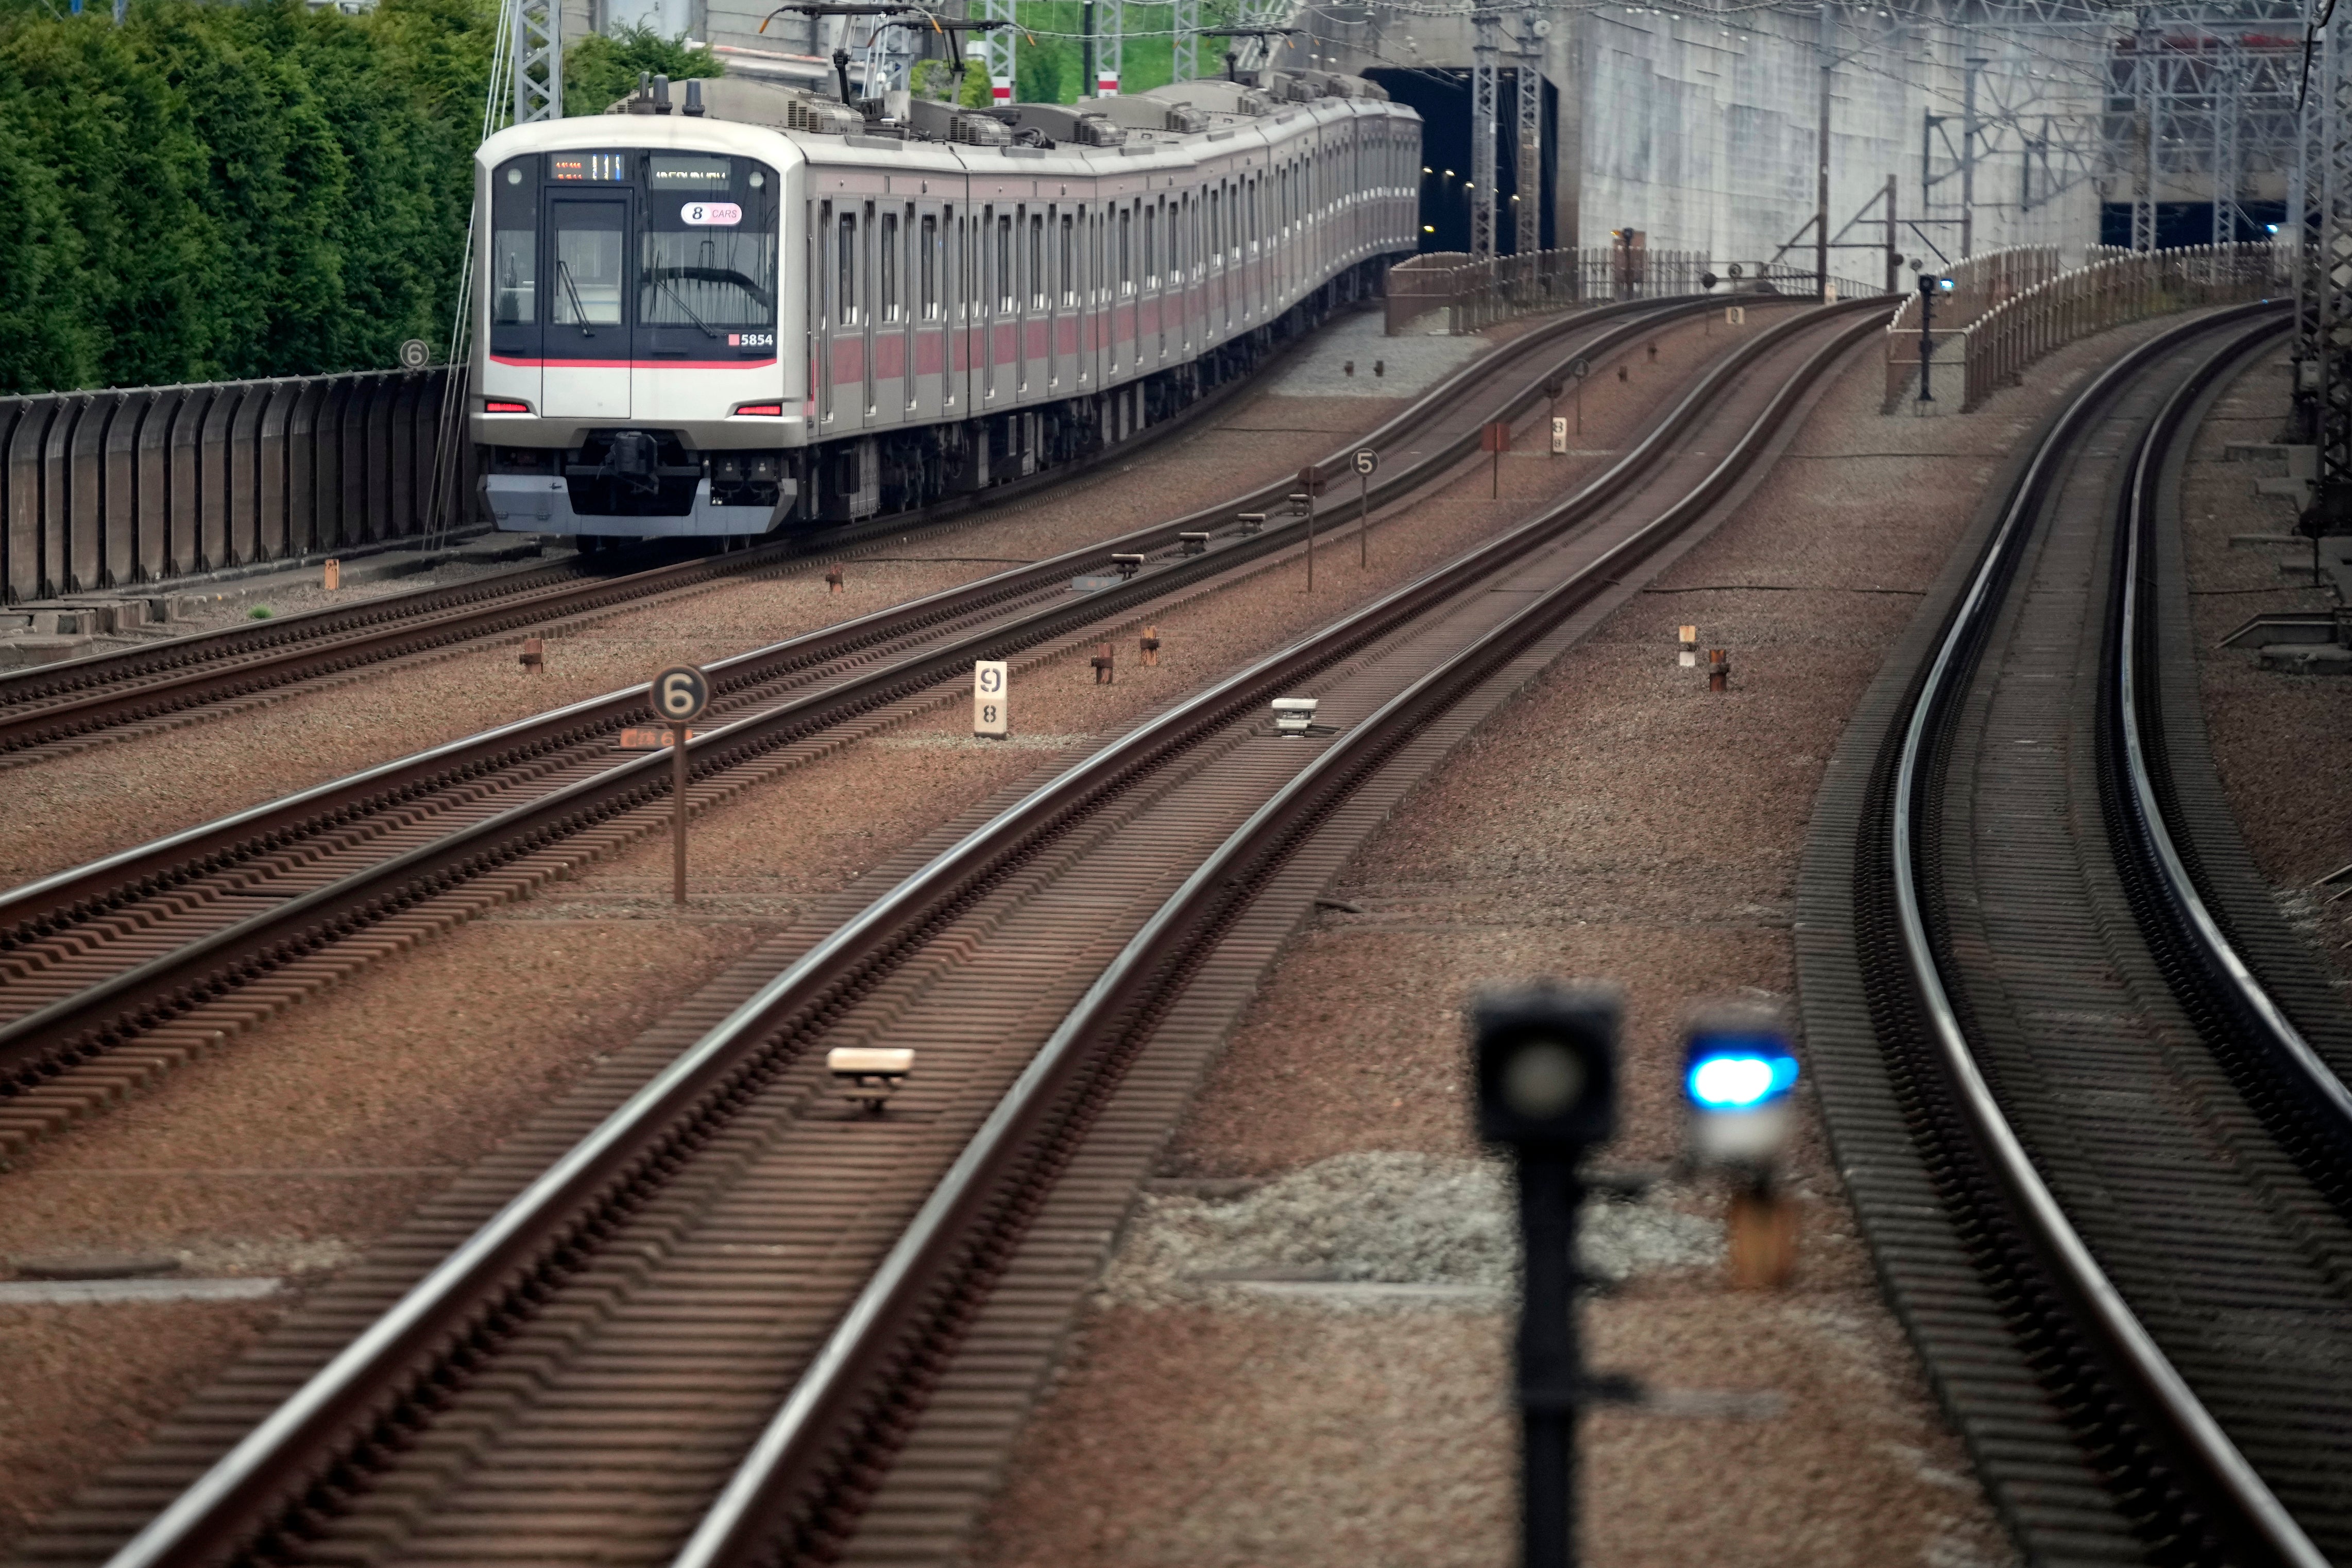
{"type": "Point", "coordinates": [662, 1121]}
{"type": "Point", "coordinates": [90, 886]}
{"type": "Point", "coordinates": [743, 1521]}
{"type": "Point", "coordinates": [95, 1017]}
{"type": "Point", "coordinates": [2231, 1483]}
{"type": "Point", "coordinates": [2183, 920]}
{"type": "Point", "coordinates": [104, 690]}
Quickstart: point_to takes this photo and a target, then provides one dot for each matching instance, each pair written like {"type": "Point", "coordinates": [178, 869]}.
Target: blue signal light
{"type": "Point", "coordinates": [1739, 1073]}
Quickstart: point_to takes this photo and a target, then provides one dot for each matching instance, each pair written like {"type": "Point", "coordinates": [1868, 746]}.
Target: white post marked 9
{"type": "Point", "coordinates": [991, 714]}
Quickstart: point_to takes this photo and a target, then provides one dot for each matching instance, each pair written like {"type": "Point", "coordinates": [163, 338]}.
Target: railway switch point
{"type": "Point", "coordinates": [1102, 662]}
{"type": "Point", "coordinates": [1253, 524]}
{"type": "Point", "coordinates": [1193, 543]}
{"type": "Point", "coordinates": [1690, 647]}
{"type": "Point", "coordinates": [866, 1076]}
{"type": "Point", "coordinates": [833, 581]}
{"type": "Point", "coordinates": [1718, 670]}
{"type": "Point", "coordinates": [533, 657]}
{"type": "Point", "coordinates": [1150, 646]}
{"type": "Point", "coordinates": [330, 574]}
{"type": "Point", "coordinates": [1128, 565]}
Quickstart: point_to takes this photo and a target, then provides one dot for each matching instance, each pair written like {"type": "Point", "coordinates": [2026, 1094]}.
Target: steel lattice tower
{"type": "Point", "coordinates": [2145, 117]}
{"type": "Point", "coordinates": [537, 50]}
{"type": "Point", "coordinates": [2332, 286]}
{"type": "Point", "coordinates": [1000, 58]}
{"type": "Point", "coordinates": [1110, 29]}
{"type": "Point", "coordinates": [1483, 131]}
{"type": "Point", "coordinates": [1188, 39]}
{"type": "Point", "coordinates": [1527, 234]}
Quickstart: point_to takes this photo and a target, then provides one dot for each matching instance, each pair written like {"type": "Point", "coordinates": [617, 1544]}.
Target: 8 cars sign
{"type": "Point", "coordinates": [706, 215]}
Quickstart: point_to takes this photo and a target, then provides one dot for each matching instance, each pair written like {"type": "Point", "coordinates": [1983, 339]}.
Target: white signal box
{"type": "Point", "coordinates": [990, 700]}
{"type": "Point", "coordinates": [1559, 437]}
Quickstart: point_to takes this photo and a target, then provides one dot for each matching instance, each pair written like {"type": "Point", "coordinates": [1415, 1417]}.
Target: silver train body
{"type": "Point", "coordinates": [779, 309]}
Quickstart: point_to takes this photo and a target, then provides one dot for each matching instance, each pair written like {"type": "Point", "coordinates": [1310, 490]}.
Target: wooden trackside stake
{"type": "Point", "coordinates": [330, 575]}
{"type": "Point", "coordinates": [533, 657]}
{"type": "Point", "coordinates": [1151, 644]}
{"type": "Point", "coordinates": [1718, 670]}
{"type": "Point", "coordinates": [1102, 663]}
{"type": "Point", "coordinates": [1762, 1241]}
{"type": "Point", "coordinates": [833, 581]}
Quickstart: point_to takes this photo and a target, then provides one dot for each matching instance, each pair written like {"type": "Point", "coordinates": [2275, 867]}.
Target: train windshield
{"type": "Point", "coordinates": [595, 253]}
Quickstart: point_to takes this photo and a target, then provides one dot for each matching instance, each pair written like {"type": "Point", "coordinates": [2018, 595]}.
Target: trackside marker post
{"type": "Point", "coordinates": [1367, 462]}
{"type": "Point", "coordinates": [679, 695]}
{"type": "Point", "coordinates": [991, 711]}
{"type": "Point", "coordinates": [1497, 441]}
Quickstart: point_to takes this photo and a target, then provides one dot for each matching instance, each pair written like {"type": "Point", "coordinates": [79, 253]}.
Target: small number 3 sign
{"type": "Point", "coordinates": [990, 714]}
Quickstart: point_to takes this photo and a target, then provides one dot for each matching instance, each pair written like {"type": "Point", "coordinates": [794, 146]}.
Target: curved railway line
{"type": "Point", "coordinates": [702, 1312]}
{"type": "Point", "coordinates": [137, 961]}
{"type": "Point", "coordinates": [2086, 1084]}
{"type": "Point", "coordinates": [53, 709]}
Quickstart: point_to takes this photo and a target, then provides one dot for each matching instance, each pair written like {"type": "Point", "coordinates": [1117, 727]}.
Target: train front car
{"type": "Point", "coordinates": [628, 380]}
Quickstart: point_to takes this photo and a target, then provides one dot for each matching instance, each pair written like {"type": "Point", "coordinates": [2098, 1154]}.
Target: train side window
{"type": "Point", "coordinates": [1005, 285]}
{"type": "Point", "coordinates": [931, 269]}
{"type": "Point", "coordinates": [1038, 286]}
{"type": "Point", "coordinates": [1069, 259]}
{"type": "Point", "coordinates": [844, 292]}
{"type": "Point", "coordinates": [1151, 246]}
{"type": "Point", "coordinates": [887, 294]}
{"type": "Point", "coordinates": [1216, 227]}
{"type": "Point", "coordinates": [1126, 250]}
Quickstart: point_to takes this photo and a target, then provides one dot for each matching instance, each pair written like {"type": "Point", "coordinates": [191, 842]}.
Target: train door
{"type": "Point", "coordinates": [1061, 293]}
{"type": "Point", "coordinates": [586, 341]}
{"type": "Point", "coordinates": [1004, 306]}
{"type": "Point", "coordinates": [931, 380]}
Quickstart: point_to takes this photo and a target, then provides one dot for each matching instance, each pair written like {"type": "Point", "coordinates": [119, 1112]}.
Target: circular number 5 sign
{"type": "Point", "coordinates": [680, 693]}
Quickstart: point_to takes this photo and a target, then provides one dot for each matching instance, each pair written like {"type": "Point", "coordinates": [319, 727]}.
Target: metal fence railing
{"type": "Point", "coordinates": [1992, 351]}
{"type": "Point", "coordinates": [102, 490]}
{"type": "Point", "coordinates": [1476, 294]}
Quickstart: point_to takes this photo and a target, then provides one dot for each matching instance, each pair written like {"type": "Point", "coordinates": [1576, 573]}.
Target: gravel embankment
{"type": "Point", "coordinates": [308, 1137]}
{"type": "Point", "coordinates": [2281, 741]}
{"type": "Point", "coordinates": [1618, 821]}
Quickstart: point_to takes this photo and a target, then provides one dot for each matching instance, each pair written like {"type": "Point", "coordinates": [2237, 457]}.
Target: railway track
{"type": "Point", "coordinates": [121, 969]}
{"type": "Point", "coordinates": [50, 710]}
{"type": "Point", "coordinates": [704, 1313]}
{"type": "Point", "coordinates": [2086, 1084]}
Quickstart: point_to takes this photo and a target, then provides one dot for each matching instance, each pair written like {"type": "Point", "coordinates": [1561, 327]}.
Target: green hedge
{"type": "Point", "coordinates": [210, 192]}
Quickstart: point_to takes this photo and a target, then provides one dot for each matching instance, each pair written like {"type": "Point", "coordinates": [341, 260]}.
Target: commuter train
{"type": "Point", "coordinates": [756, 308]}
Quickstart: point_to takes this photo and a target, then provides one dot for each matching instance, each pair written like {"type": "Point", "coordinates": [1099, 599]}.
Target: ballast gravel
{"type": "Point", "coordinates": [324, 1126]}
{"type": "Point", "coordinates": [1620, 821]}
{"type": "Point", "coordinates": [1379, 1219]}
{"type": "Point", "coordinates": [75, 807]}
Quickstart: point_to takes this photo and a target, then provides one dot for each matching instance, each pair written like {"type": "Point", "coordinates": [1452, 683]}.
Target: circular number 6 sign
{"type": "Point", "coordinates": [680, 693]}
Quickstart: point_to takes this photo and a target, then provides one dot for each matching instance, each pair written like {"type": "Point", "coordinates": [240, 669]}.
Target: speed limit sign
{"type": "Point", "coordinates": [1580, 367]}
{"type": "Point", "coordinates": [680, 693]}
{"type": "Point", "coordinates": [1367, 460]}
{"type": "Point", "coordinates": [415, 354]}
